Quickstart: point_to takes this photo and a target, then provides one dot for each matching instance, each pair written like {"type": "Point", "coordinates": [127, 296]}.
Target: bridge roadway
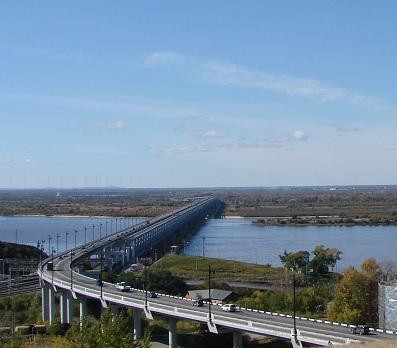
{"type": "Point", "coordinates": [74, 286]}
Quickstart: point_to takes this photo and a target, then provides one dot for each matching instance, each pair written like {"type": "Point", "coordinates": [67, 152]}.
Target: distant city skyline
{"type": "Point", "coordinates": [206, 94]}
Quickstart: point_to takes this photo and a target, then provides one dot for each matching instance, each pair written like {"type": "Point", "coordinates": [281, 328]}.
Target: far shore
{"type": "Point", "coordinates": [71, 216]}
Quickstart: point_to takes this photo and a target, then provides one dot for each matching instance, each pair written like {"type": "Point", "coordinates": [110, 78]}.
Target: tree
{"type": "Point", "coordinates": [356, 301]}
{"type": "Point", "coordinates": [324, 258]}
{"type": "Point", "coordinates": [295, 261]}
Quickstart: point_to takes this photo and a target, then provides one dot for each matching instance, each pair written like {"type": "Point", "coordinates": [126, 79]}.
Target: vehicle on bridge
{"type": "Point", "coordinates": [230, 307]}
{"type": "Point", "coordinates": [122, 287]}
{"type": "Point", "coordinates": [198, 303]}
{"type": "Point", "coordinates": [152, 294]}
{"type": "Point", "coordinates": [360, 330]}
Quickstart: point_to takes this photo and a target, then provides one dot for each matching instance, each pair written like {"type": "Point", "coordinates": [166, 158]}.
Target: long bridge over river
{"type": "Point", "coordinates": [63, 279]}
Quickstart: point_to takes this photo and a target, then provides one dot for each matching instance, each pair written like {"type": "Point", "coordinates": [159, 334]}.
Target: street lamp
{"type": "Point", "coordinates": [116, 224]}
{"type": "Point", "coordinates": [49, 245]}
{"type": "Point", "coordinates": [209, 291]}
{"type": "Point", "coordinates": [66, 239]}
{"type": "Point", "coordinates": [85, 235]}
{"type": "Point", "coordinates": [100, 274]}
{"type": "Point", "coordinates": [111, 226]}
{"type": "Point", "coordinates": [75, 238]}
{"type": "Point", "coordinates": [203, 247]}
{"type": "Point", "coordinates": [58, 242]}
{"type": "Point", "coordinates": [100, 230]}
{"type": "Point", "coordinates": [71, 270]}
{"type": "Point", "coordinates": [106, 228]}
{"type": "Point", "coordinates": [294, 303]}
{"type": "Point", "coordinates": [52, 268]}
{"type": "Point", "coordinates": [93, 232]}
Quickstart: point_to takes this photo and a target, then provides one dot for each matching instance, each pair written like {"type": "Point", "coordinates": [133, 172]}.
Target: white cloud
{"type": "Point", "coordinates": [212, 135]}
{"type": "Point", "coordinates": [299, 135]}
{"type": "Point", "coordinates": [226, 74]}
{"type": "Point", "coordinates": [6, 160]}
{"type": "Point", "coordinates": [27, 160]}
{"type": "Point", "coordinates": [164, 58]}
{"type": "Point", "coordinates": [117, 125]}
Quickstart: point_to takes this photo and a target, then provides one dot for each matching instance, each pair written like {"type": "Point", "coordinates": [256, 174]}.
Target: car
{"type": "Point", "coordinates": [198, 303]}
{"type": "Point", "coordinates": [152, 294]}
{"type": "Point", "coordinates": [99, 282]}
{"type": "Point", "coordinates": [83, 247]}
{"type": "Point", "coordinates": [229, 307]}
{"type": "Point", "coordinates": [122, 287]}
{"type": "Point", "coordinates": [360, 330]}
{"type": "Point", "coordinates": [61, 257]}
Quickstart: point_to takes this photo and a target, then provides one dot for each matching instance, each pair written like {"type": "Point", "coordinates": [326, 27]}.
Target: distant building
{"type": "Point", "coordinates": [218, 296]}
{"type": "Point", "coordinates": [387, 302]}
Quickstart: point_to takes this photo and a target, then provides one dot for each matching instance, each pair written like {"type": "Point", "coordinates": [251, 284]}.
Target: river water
{"type": "Point", "coordinates": [238, 239]}
{"type": "Point", "coordinates": [230, 238]}
{"type": "Point", "coordinates": [31, 229]}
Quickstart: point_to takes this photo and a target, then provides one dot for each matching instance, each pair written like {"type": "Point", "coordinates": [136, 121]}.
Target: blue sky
{"type": "Point", "coordinates": [156, 94]}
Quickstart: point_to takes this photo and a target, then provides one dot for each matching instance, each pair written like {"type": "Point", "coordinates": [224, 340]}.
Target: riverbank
{"type": "Point", "coordinates": [335, 220]}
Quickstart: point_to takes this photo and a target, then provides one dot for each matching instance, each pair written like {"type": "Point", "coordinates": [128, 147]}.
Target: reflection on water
{"type": "Point", "coordinates": [238, 239]}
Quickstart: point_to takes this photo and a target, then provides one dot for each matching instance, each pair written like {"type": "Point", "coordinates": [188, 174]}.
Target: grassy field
{"type": "Point", "coordinates": [194, 267]}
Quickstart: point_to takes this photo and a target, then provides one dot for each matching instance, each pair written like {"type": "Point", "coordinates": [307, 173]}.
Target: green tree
{"type": "Point", "coordinates": [295, 261]}
{"type": "Point", "coordinates": [324, 258]}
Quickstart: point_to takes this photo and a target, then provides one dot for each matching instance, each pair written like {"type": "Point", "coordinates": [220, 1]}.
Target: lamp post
{"type": "Point", "coordinates": [66, 239]}
{"type": "Point", "coordinates": [209, 292]}
{"type": "Point", "coordinates": [100, 230]}
{"type": "Point", "coordinates": [58, 242]}
{"type": "Point", "coordinates": [71, 270]}
{"type": "Point", "coordinates": [93, 232]}
{"type": "Point", "coordinates": [111, 226]}
{"type": "Point", "coordinates": [52, 268]}
{"type": "Point", "coordinates": [100, 273]}
{"type": "Point", "coordinates": [49, 245]}
{"type": "Point", "coordinates": [106, 228]}
{"type": "Point", "coordinates": [294, 303]}
{"type": "Point", "coordinates": [203, 247]}
{"type": "Point", "coordinates": [75, 238]}
{"type": "Point", "coordinates": [85, 235]}
{"type": "Point", "coordinates": [116, 224]}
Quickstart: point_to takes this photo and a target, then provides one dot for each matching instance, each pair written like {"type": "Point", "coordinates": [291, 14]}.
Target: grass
{"type": "Point", "coordinates": [194, 267]}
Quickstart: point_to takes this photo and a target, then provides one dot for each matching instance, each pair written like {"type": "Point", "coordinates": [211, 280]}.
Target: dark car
{"type": "Point", "coordinates": [152, 294]}
{"type": "Point", "coordinates": [99, 282]}
{"type": "Point", "coordinates": [198, 303]}
{"type": "Point", "coordinates": [360, 330]}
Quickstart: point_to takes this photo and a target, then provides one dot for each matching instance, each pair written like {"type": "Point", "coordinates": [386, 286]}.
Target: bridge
{"type": "Point", "coordinates": [60, 275]}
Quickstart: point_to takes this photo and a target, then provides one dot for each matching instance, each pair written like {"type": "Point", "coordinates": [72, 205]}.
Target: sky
{"type": "Point", "coordinates": [197, 94]}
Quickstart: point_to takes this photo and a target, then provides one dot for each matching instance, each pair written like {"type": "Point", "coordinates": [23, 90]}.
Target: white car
{"type": "Point", "coordinates": [122, 287]}
{"type": "Point", "coordinates": [229, 307]}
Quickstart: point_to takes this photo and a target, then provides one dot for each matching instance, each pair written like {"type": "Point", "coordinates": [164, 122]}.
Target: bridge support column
{"type": "Point", "coordinates": [51, 304]}
{"type": "Point", "coordinates": [45, 302]}
{"type": "Point", "coordinates": [294, 339]}
{"type": "Point", "coordinates": [63, 307]}
{"type": "Point", "coordinates": [237, 339]}
{"type": "Point", "coordinates": [83, 310]}
{"type": "Point", "coordinates": [172, 337]}
{"type": "Point", "coordinates": [137, 323]}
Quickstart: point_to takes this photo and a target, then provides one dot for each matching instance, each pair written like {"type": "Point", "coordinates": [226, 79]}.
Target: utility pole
{"type": "Point", "coordinates": [71, 270]}
{"type": "Point", "coordinates": [100, 273]}
{"type": "Point", "coordinates": [85, 235]}
{"type": "Point", "coordinates": [203, 247]}
{"type": "Point", "coordinates": [52, 268]}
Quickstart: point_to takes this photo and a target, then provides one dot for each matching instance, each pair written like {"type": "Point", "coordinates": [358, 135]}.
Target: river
{"type": "Point", "coordinates": [238, 239]}
{"type": "Point", "coordinates": [230, 238]}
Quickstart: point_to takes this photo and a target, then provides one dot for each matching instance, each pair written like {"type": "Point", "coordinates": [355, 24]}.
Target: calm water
{"type": "Point", "coordinates": [238, 239]}
{"type": "Point", "coordinates": [32, 229]}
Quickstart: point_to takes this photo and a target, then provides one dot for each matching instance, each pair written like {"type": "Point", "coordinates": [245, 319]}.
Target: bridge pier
{"type": "Point", "coordinates": [172, 334]}
{"type": "Point", "coordinates": [83, 310]}
{"type": "Point", "coordinates": [137, 323]}
{"type": "Point", "coordinates": [66, 307]}
{"type": "Point", "coordinates": [51, 304]}
{"type": "Point", "coordinates": [44, 302]}
{"type": "Point", "coordinates": [237, 339]}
